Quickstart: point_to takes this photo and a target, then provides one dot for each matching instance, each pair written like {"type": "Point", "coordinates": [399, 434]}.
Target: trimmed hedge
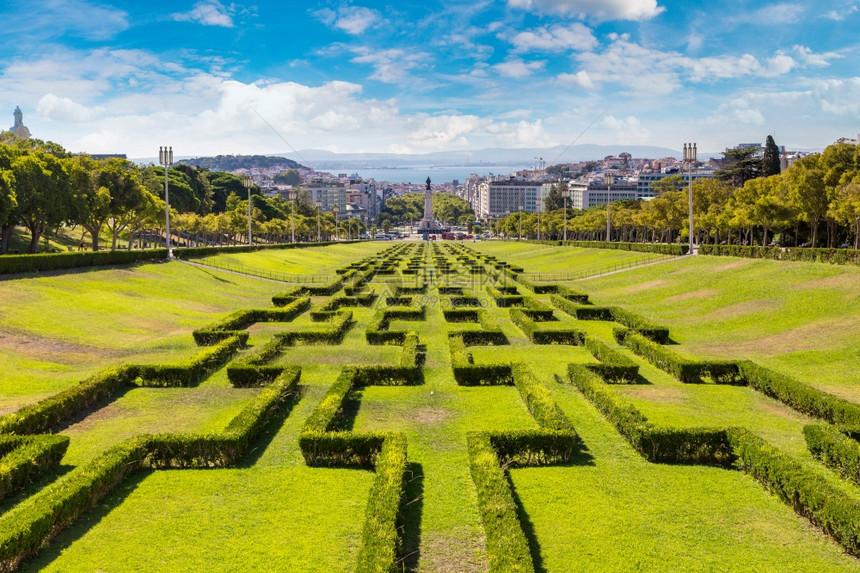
{"type": "Point", "coordinates": [503, 297]}
{"type": "Point", "coordinates": [46, 414]}
{"type": "Point", "coordinates": [684, 369]}
{"type": "Point", "coordinates": [835, 450]}
{"type": "Point", "coordinates": [380, 538]}
{"type": "Point", "coordinates": [581, 311]}
{"type": "Point", "coordinates": [662, 248]}
{"type": "Point", "coordinates": [545, 335]}
{"type": "Point", "coordinates": [12, 264]}
{"type": "Point", "coordinates": [655, 443]}
{"type": "Point", "coordinates": [377, 330]}
{"type": "Point", "coordinates": [539, 400]}
{"type": "Point", "coordinates": [235, 324]}
{"type": "Point", "coordinates": [339, 324]}
{"type": "Point", "coordinates": [643, 326]}
{"type": "Point", "coordinates": [833, 256]}
{"type": "Point", "coordinates": [507, 546]}
{"type": "Point", "coordinates": [24, 458]}
{"type": "Point", "coordinates": [466, 373]}
{"type": "Point", "coordinates": [28, 526]}
{"type": "Point", "coordinates": [800, 396]}
{"type": "Point", "coordinates": [808, 493]}
{"type": "Point", "coordinates": [614, 367]}
{"type": "Point", "coordinates": [572, 295]}
{"type": "Point", "coordinates": [190, 372]}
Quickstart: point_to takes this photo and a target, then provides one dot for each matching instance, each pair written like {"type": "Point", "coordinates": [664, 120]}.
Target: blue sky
{"type": "Point", "coordinates": [421, 76]}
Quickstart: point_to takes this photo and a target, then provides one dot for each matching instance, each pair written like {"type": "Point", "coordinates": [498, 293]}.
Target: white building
{"type": "Point", "coordinates": [500, 197]}
{"type": "Point", "coordinates": [644, 181]}
{"type": "Point", "coordinates": [585, 194]}
{"type": "Point", "coordinates": [328, 193]}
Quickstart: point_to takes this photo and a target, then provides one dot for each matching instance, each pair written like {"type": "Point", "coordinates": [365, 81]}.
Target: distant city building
{"type": "Point", "coordinates": [644, 180]}
{"type": "Point", "coordinates": [328, 194]}
{"type": "Point", "coordinates": [19, 129]}
{"type": "Point", "coordinates": [499, 197]}
{"type": "Point", "coordinates": [585, 194]}
{"type": "Point", "coordinates": [848, 140]}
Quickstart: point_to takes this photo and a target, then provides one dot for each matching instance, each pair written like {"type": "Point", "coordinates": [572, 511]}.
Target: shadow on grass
{"type": "Point", "coordinates": [528, 528]}
{"type": "Point", "coordinates": [34, 487]}
{"type": "Point", "coordinates": [219, 278]}
{"type": "Point", "coordinates": [95, 410]}
{"type": "Point", "coordinates": [410, 518]}
{"type": "Point", "coordinates": [273, 426]}
{"type": "Point", "coordinates": [85, 522]}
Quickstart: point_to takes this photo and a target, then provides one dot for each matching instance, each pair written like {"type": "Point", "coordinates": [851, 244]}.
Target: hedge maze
{"type": "Point", "coordinates": [401, 297]}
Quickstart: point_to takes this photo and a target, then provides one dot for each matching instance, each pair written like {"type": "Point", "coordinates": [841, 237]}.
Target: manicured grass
{"type": "Point", "coordinates": [552, 259]}
{"type": "Point", "coordinates": [608, 509]}
{"type": "Point", "coordinates": [305, 261]}
{"type": "Point", "coordinates": [60, 328]}
{"type": "Point", "coordinates": [802, 319]}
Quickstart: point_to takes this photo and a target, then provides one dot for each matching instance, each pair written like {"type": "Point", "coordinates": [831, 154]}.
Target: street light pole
{"type": "Point", "coordinates": [249, 182]}
{"type": "Point", "coordinates": [165, 158]}
{"type": "Point", "coordinates": [690, 157]}
{"type": "Point", "coordinates": [335, 209]}
{"type": "Point", "coordinates": [565, 193]}
{"type": "Point", "coordinates": [520, 238]}
{"type": "Point", "coordinates": [538, 205]}
{"type": "Point", "coordinates": [293, 216]}
{"type": "Point", "coordinates": [609, 180]}
{"type": "Point", "coordinates": [319, 232]}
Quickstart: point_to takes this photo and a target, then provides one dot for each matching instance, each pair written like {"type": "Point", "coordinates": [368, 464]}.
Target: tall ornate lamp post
{"type": "Point", "coordinates": [609, 180]}
{"type": "Point", "coordinates": [335, 209]}
{"type": "Point", "coordinates": [165, 158]}
{"type": "Point", "coordinates": [293, 216]}
{"type": "Point", "coordinates": [520, 237]}
{"type": "Point", "coordinates": [565, 193]}
{"type": "Point", "coordinates": [690, 158]}
{"type": "Point", "coordinates": [249, 183]}
{"type": "Point", "coordinates": [318, 204]}
{"type": "Point", "coordinates": [538, 204]}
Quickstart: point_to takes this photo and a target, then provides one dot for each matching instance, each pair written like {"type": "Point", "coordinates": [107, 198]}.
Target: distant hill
{"type": "Point", "coordinates": [236, 162]}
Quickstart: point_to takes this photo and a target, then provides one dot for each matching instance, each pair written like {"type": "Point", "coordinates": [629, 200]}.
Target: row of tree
{"type": "Point", "coordinates": [816, 202]}
{"type": "Point", "coordinates": [409, 207]}
{"type": "Point", "coordinates": [44, 187]}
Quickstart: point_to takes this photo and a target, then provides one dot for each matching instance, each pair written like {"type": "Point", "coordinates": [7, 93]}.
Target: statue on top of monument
{"type": "Point", "coordinates": [428, 184]}
{"type": "Point", "coordinates": [19, 129]}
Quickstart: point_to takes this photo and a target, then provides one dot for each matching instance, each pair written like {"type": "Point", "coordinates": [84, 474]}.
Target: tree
{"type": "Point", "coordinates": [770, 164]}
{"type": "Point", "coordinates": [554, 199]}
{"type": "Point", "coordinates": [449, 208]}
{"type": "Point", "coordinates": [742, 165]}
{"type": "Point", "coordinates": [288, 177]}
{"type": "Point", "coordinates": [846, 208]}
{"type": "Point", "coordinates": [667, 184]}
{"type": "Point", "coordinates": [44, 194]}
{"type": "Point", "coordinates": [808, 191]}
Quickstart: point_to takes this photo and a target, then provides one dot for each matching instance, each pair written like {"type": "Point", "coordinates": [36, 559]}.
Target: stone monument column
{"type": "Point", "coordinates": [428, 206]}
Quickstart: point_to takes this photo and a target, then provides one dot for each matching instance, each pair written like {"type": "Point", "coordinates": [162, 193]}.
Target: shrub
{"type": "Point", "coordinates": [507, 546]}
{"type": "Point", "coordinates": [833, 256]}
{"type": "Point", "coordinates": [665, 249]}
{"type": "Point", "coordinates": [544, 335]}
{"type": "Point", "coordinates": [503, 297]}
{"type": "Point", "coordinates": [643, 326]}
{"type": "Point", "coordinates": [539, 400]}
{"type": "Point", "coordinates": [835, 450]}
{"type": "Point", "coordinates": [22, 459]}
{"type": "Point", "coordinates": [235, 323]}
{"type": "Point", "coordinates": [572, 295]}
{"type": "Point", "coordinates": [684, 369]}
{"type": "Point", "coordinates": [614, 367]}
{"type": "Point", "coordinates": [581, 311]}
{"type": "Point", "coordinates": [54, 410]}
{"type": "Point", "coordinates": [10, 264]}
{"type": "Point", "coordinates": [192, 371]}
{"type": "Point", "coordinates": [811, 495]}
{"type": "Point", "coordinates": [656, 444]}
{"type": "Point", "coordinates": [800, 396]}
{"type": "Point", "coordinates": [466, 373]}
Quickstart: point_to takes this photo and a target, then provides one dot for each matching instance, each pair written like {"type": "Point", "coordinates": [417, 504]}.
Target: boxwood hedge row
{"type": "Point", "coordinates": [833, 256]}
{"type": "Point", "coordinates": [542, 335]}
{"type": "Point", "coordinates": [684, 369]}
{"type": "Point", "coordinates": [24, 458]}
{"type": "Point", "coordinates": [834, 449]}
{"type": "Point", "coordinates": [28, 526]}
{"type": "Point", "coordinates": [237, 322]}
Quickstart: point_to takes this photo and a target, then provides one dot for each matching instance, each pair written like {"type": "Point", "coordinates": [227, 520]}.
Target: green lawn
{"type": "Point", "coordinates": [610, 510]}
{"type": "Point", "coordinates": [305, 261]}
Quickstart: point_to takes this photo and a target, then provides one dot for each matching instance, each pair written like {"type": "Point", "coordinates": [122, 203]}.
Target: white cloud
{"type": "Point", "coordinates": [40, 19]}
{"type": "Point", "coordinates": [598, 9]}
{"type": "Point", "coordinates": [208, 13]}
{"type": "Point", "coordinates": [350, 19]}
{"type": "Point", "coordinates": [580, 79]}
{"type": "Point", "coordinates": [517, 68]}
{"type": "Point", "coordinates": [842, 14]}
{"type": "Point", "coordinates": [390, 66]}
{"type": "Point", "coordinates": [64, 109]}
{"type": "Point", "coordinates": [557, 38]}
{"type": "Point", "coordinates": [625, 129]}
{"type": "Point", "coordinates": [779, 14]}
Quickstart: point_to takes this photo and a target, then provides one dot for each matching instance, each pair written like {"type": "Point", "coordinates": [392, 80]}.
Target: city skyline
{"type": "Point", "coordinates": [212, 78]}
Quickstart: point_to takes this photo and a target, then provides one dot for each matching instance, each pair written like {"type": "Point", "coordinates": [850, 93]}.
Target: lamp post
{"type": "Point", "coordinates": [293, 216]}
{"type": "Point", "coordinates": [565, 193]}
{"type": "Point", "coordinates": [690, 158]}
{"type": "Point", "coordinates": [538, 204]}
{"type": "Point", "coordinates": [319, 232]}
{"type": "Point", "coordinates": [249, 182]}
{"type": "Point", "coordinates": [335, 209]}
{"type": "Point", "coordinates": [609, 180]}
{"type": "Point", "coordinates": [165, 158]}
{"type": "Point", "coordinates": [520, 237]}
